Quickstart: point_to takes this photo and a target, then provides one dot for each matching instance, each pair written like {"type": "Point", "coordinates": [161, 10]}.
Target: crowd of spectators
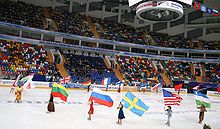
{"type": "Point", "coordinates": [21, 13]}
{"type": "Point", "coordinates": [71, 23]}
{"type": "Point", "coordinates": [118, 32]}
{"type": "Point", "coordinates": [17, 58]}
{"type": "Point", "coordinates": [164, 40]}
{"type": "Point", "coordinates": [85, 67]}
{"type": "Point", "coordinates": [177, 70]}
{"type": "Point", "coordinates": [212, 73]}
{"type": "Point", "coordinates": [137, 69]}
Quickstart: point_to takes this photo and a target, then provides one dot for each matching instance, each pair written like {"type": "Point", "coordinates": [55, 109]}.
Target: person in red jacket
{"type": "Point", "coordinates": [91, 109]}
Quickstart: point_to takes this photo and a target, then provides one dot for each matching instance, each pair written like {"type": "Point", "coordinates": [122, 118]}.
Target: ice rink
{"type": "Point", "coordinates": [31, 113]}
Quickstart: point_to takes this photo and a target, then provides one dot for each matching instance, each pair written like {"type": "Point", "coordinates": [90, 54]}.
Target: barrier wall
{"type": "Point", "coordinates": [213, 93]}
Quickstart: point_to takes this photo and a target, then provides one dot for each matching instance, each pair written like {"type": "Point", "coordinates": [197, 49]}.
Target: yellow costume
{"type": "Point", "coordinates": [18, 94]}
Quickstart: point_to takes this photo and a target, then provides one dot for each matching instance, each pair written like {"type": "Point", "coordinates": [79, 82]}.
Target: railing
{"type": "Point", "coordinates": [81, 42]}
{"type": "Point", "coordinates": [94, 49]}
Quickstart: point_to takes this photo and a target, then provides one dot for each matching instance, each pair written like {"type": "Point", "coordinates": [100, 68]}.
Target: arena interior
{"type": "Point", "coordinates": [137, 43]}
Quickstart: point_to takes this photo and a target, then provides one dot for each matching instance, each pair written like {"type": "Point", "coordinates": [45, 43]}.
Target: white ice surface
{"type": "Point", "coordinates": [31, 113]}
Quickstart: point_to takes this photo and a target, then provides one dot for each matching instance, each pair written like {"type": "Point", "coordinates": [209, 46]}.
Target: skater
{"type": "Point", "coordinates": [18, 94]}
{"type": "Point", "coordinates": [51, 107]}
{"type": "Point", "coordinates": [119, 89]}
{"type": "Point", "coordinates": [205, 126]}
{"type": "Point", "coordinates": [201, 113]}
{"type": "Point", "coordinates": [120, 114]}
{"type": "Point", "coordinates": [88, 88]}
{"type": "Point", "coordinates": [12, 89]}
{"type": "Point", "coordinates": [169, 113]}
{"type": "Point", "coordinates": [91, 109]}
{"type": "Point", "coordinates": [106, 88]}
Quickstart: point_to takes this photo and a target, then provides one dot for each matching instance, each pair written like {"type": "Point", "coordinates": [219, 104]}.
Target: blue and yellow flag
{"type": "Point", "coordinates": [134, 104]}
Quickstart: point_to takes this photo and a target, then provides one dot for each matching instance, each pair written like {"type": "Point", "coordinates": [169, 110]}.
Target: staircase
{"type": "Point", "coordinates": [50, 57]}
{"type": "Point", "coordinates": [203, 70]}
{"type": "Point", "coordinates": [145, 38]}
{"type": "Point", "coordinates": [48, 16]}
{"type": "Point", "coordinates": [192, 69]}
{"type": "Point", "coordinates": [198, 79]}
{"type": "Point", "coordinates": [62, 70]}
{"type": "Point", "coordinates": [107, 64]}
{"type": "Point", "coordinates": [1, 55]}
{"type": "Point", "coordinates": [165, 78]}
{"type": "Point", "coordinates": [92, 27]}
{"type": "Point", "coordinates": [118, 74]}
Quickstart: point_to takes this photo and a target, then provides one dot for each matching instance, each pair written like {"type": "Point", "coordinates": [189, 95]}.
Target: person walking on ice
{"type": "Point", "coordinates": [120, 114]}
{"type": "Point", "coordinates": [202, 111]}
{"type": "Point", "coordinates": [18, 94]}
{"type": "Point", "coordinates": [91, 109]}
{"type": "Point", "coordinates": [169, 114]}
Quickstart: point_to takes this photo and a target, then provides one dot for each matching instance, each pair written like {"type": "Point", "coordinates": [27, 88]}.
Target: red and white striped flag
{"type": "Point", "coordinates": [171, 99]}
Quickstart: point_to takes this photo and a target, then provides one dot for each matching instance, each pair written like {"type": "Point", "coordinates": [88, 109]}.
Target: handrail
{"type": "Point", "coordinates": [115, 52]}
{"type": "Point", "coordinates": [104, 41]}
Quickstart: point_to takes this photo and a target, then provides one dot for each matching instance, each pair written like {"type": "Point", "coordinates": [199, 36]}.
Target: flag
{"type": "Point", "coordinates": [65, 80]}
{"type": "Point", "coordinates": [156, 86]}
{"type": "Point", "coordinates": [196, 88]}
{"type": "Point", "coordinates": [26, 82]}
{"type": "Point", "coordinates": [60, 91]}
{"type": "Point", "coordinates": [101, 97]}
{"type": "Point", "coordinates": [218, 89]}
{"type": "Point", "coordinates": [171, 98]}
{"type": "Point", "coordinates": [106, 81]}
{"type": "Point", "coordinates": [178, 85]}
{"type": "Point", "coordinates": [134, 104]}
{"type": "Point", "coordinates": [202, 99]}
{"type": "Point", "coordinates": [16, 82]}
{"type": "Point", "coordinates": [119, 84]}
{"type": "Point", "coordinates": [87, 83]}
{"type": "Point", "coordinates": [197, 5]}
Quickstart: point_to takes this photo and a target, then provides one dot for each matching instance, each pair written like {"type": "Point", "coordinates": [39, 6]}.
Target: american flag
{"type": "Point", "coordinates": [171, 99]}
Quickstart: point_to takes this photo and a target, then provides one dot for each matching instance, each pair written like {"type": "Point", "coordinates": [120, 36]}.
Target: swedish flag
{"type": "Point", "coordinates": [134, 104]}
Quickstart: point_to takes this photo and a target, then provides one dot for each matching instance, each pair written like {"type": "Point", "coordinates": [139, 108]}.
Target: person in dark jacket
{"type": "Point", "coordinates": [50, 106]}
{"type": "Point", "coordinates": [120, 114]}
{"type": "Point", "coordinates": [201, 113]}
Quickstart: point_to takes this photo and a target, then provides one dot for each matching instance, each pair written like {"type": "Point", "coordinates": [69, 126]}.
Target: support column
{"type": "Point", "coordinates": [20, 33]}
{"type": "Point", "coordinates": [172, 53]}
{"type": "Point", "coordinates": [151, 26]}
{"type": "Point", "coordinates": [204, 33]}
{"type": "Point", "coordinates": [204, 56]}
{"type": "Point", "coordinates": [103, 12]}
{"type": "Point", "coordinates": [80, 42]}
{"type": "Point", "coordinates": [71, 6]}
{"type": "Point", "coordinates": [129, 49]}
{"type": "Point", "coordinates": [145, 51]}
{"type": "Point", "coordinates": [158, 52]}
{"type": "Point", "coordinates": [41, 37]}
{"type": "Point", "coordinates": [87, 8]}
{"type": "Point", "coordinates": [97, 44]}
{"type": "Point", "coordinates": [53, 4]}
{"type": "Point", "coordinates": [113, 47]}
{"type": "Point", "coordinates": [168, 28]}
{"type": "Point", "coordinates": [119, 12]}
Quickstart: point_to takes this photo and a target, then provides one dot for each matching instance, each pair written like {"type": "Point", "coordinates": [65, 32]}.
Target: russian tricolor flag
{"type": "Point", "coordinates": [106, 81]}
{"type": "Point", "coordinates": [101, 98]}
